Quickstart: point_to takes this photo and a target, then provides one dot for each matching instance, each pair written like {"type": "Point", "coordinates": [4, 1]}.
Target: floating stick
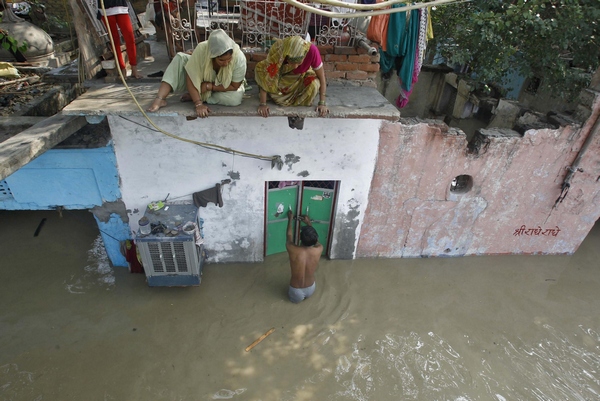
{"type": "Point", "coordinates": [259, 339]}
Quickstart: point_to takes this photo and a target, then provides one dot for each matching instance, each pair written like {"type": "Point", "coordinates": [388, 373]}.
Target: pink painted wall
{"type": "Point", "coordinates": [516, 181]}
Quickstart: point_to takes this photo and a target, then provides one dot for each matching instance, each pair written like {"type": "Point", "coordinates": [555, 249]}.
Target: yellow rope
{"type": "Point", "coordinates": [272, 159]}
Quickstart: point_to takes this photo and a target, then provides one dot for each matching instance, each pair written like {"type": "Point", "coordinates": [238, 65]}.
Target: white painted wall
{"type": "Point", "coordinates": [152, 165]}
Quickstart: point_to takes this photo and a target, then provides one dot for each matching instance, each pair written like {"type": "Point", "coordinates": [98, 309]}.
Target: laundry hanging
{"type": "Point", "coordinates": [424, 32]}
{"type": "Point", "coordinates": [402, 36]}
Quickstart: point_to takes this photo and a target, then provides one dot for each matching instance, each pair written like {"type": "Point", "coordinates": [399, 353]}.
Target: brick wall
{"type": "Point", "coordinates": [339, 63]}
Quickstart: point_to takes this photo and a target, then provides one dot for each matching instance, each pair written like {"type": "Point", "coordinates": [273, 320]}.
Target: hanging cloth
{"type": "Point", "coordinates": [401, 45]}
{"type": "Point", "coordinates": [409, 50]}
{"type": "Point", "coordinates": [402, 99]}
{"type": "Point", "coordinates": [395, 33]}
{"type": "Point", "coordinates": [378, 27]}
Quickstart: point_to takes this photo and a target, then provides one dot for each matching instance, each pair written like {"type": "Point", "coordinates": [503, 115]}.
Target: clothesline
{"type": "Point", "coordinates": [389, 3]}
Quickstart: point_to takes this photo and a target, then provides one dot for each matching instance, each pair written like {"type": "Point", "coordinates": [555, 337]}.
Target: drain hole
{"type": "Point", "coordinates": [461, 184]}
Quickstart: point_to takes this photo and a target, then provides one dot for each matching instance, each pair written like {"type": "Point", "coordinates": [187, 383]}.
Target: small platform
{"type": "Point", "coordinates": [343, 100]}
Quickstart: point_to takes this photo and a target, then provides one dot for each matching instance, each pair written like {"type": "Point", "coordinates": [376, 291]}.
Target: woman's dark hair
{"type": "Point", "coordinates": [227, 53]}
{"type": "Point", "coordinates": [308, 236]}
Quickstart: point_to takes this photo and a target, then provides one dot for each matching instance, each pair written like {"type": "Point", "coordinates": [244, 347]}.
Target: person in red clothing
{"type": "Point", "coordinates": [117, 14]}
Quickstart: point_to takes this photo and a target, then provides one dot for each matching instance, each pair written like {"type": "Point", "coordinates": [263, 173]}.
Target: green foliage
{"type": "Point", "coordinates": [557, 41]}
{"type": "Point", "coordinates": [9, 43]}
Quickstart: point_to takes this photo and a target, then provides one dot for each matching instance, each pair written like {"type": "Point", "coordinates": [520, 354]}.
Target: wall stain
{"type": "Point", "coordinates": [290, 160]}
{"type": "Point", "coordinates": [303, 174]}
{"type": "Point", "coordinates": [104, 212]}
{"type": "Point", "coordinates": [347, 232]}
{"type": "Point", "coordinates": [234, 175]}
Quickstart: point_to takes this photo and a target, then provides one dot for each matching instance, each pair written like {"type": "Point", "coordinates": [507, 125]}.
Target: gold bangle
{"type": "Point", "coordinates": [198, 104]}
{"type": "Point", "coordinates": [322, 103]}
{"type": "Point", "coordinates": [262, 104]}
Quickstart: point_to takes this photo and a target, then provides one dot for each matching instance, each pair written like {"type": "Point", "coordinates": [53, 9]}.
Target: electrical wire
{"type": "Point", "coordinates": [275, 160]}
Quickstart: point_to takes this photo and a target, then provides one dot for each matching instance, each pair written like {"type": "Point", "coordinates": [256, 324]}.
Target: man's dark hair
{"type": "Point", "coordinates": [308, 236]}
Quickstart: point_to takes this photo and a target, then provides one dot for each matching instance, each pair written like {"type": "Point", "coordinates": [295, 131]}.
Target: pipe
{"type": "Point", "coordinates": [573, 168]}
{"type": "Point", "coordinates": [365, 43]}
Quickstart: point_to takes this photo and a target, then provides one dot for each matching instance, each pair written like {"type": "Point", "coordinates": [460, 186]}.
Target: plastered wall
{"type": "Point", "coordinates": [509, 208]}
{"type": "Point", "coordinates": [152, 166]}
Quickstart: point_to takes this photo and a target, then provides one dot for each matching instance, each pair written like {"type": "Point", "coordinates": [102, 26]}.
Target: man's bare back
{"type": "Point", "coordinates": [304, 260]}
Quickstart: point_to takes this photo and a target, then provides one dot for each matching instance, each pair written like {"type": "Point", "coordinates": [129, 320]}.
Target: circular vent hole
{"type": "Point", "coordinates": [461, 184]}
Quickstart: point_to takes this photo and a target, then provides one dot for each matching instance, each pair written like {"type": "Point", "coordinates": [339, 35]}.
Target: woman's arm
{"type": "Point", "coordinates": [263, 109]}
{"type": "Point", "coordinates": [202, 110]}
{"type": "Point", "coordinates": [209, 86]}
{"type": "Point", "coordinates": [322, 107]}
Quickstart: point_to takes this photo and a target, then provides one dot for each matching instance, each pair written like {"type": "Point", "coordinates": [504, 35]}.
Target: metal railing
{"type": "Point", "coordinates": [255, 23]}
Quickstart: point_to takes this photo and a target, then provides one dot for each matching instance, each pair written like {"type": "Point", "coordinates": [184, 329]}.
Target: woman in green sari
{"type": "Point", "coordinates": [292, 75]}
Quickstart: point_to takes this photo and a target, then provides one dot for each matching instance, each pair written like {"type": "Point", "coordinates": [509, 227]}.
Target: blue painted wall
{"type": "Point", "coordinates": [113, 232]}
{"type": "Point", "coordinates": [74, 179]}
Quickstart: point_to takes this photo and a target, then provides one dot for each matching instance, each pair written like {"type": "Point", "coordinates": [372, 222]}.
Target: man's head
{"type": "Point", "coordinates": [308, 236]}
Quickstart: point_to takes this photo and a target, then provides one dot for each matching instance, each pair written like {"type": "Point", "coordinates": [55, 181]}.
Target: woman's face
{"type": "Point", "coordinates": [223, 61]}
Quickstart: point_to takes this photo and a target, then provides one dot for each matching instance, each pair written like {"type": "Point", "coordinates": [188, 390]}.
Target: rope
{"type": "Point", "coordinates": [389, 3]}
{"type": "Point", "coordinates": [275, 160]}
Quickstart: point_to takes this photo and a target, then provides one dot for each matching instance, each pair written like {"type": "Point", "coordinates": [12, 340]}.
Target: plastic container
{"type": "Point", "coordinates": [144, 224]}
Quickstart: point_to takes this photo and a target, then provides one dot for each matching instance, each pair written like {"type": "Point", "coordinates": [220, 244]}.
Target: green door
{"type": "Point", "coordinates": [318, 204]}
{"type": "Point", "coordinates": [279, 201]}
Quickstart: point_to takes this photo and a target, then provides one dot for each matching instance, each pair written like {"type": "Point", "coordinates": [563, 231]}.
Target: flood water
{"type": "Point", "coordinates": [464, 329]}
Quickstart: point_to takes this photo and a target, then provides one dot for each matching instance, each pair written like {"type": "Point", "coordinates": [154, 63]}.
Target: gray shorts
{"type": "Point", "coordinates": [300, 294]}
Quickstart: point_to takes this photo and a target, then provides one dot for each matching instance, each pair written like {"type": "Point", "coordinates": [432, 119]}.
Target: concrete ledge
{"type": "Point", "coordinates": [12, 125]}
{"type": "Point", "coordinates": [19, 150]}
{"type": "Point", "coordinates": [343, 100]}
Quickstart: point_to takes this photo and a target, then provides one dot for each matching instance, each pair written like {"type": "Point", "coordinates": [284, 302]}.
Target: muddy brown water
{"type": "Point", "coordinates": [475, 328]}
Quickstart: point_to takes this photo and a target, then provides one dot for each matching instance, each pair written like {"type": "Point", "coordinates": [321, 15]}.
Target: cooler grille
{"type": "Point", "coordinates": [170, 258]}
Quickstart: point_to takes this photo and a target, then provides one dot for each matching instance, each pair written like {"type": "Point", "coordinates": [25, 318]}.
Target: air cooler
{"type": "Point", "coordinates": [174, 259]}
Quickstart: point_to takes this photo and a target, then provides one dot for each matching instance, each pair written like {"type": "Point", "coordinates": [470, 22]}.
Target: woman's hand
{"type": "Point", "coordinates": [322, 110]}
{"type": "Point", "coordinates": [202, 110]}
{"type": "Point", "coordinates": [206, 87]}
{"type": "Point", "coordinates": [263, 110]}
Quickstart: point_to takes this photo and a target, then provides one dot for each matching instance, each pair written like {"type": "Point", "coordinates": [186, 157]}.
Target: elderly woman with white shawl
{"type": "Point", "coordinates": [212, 74]}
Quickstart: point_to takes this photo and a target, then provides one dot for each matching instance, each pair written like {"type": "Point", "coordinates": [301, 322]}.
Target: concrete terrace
{"type": "Point", "coordinates": [108, 96]}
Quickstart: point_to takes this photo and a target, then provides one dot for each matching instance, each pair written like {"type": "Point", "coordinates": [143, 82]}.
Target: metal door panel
{"type": "Point", "coordinates": [279, 201]}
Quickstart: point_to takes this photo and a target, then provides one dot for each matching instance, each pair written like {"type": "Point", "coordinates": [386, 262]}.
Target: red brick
{"type": "Point", "coordinates": [327, 49]}
{"type": "Point", "coordinates": [328, 67]}
{"type": "Point", "coordinates": [344, 50]}
{"type": "Point", "coordinates": [363, 58]}
{"type": "Point", "coordinates": [346, 66]}
{"type": "Point", "coordinates": [336, 57]}
{"type": "Point", "coordinates": [362, 50]}
{"type": "Point", "coordinates": [335, 74]}
{"type": "Point", "coordinates": [369, 67]}
{"type": "Point", "coordinates": [358, 75]}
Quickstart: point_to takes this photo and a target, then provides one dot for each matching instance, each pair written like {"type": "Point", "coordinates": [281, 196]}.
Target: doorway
{"type": "Point", "coordinates": [316, 199]}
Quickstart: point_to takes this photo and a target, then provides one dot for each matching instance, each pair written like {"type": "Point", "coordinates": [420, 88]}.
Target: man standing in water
{"type": "Point", "coordinates": [304, 259]}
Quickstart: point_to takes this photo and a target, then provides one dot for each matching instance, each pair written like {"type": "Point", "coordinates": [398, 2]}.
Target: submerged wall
{"type": "Point", "coordinates": [508, 208]}
{"type": "Point", "coordinates": [152, 166]}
